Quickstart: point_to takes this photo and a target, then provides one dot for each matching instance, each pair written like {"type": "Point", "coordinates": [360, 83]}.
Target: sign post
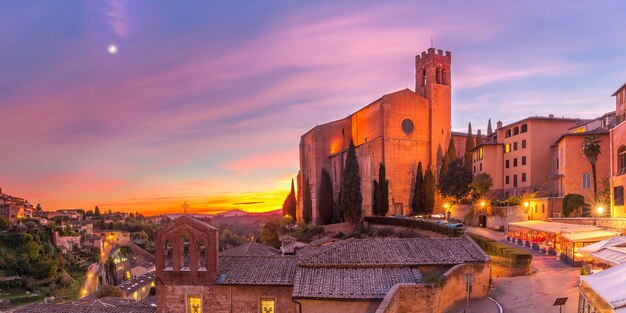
{"type": "Point", "coordinates": [468, 280]}
{"type": "Point", "coordinates": [560, 302]}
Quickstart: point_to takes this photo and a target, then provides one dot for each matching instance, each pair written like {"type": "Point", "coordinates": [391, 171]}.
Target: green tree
{"type": "Point", "coordinates": [429, 191]}
{"type": "Point", "coordinates": [290, 203]}
{"type": "Point", "coordinates": [307, 202]}
{"type": "Point", "coordinates": [109, 291]}
{"type": "Point", "coordinates": [269, 234]}
{"type": "Point", "coordinates": [326, 203]}
{"type": "Point", "coordinates": [482, 183]}
{"type": "Point", "coordinates": [383, 189]}
{"type": "Point", "coordinates": [4, 224]}
{"type": "Point", "coordinates": [38, 207]}
{"type": "Point", "coordinates": [375, 198]}
{"type": "Point", "coordinates": [571, 203]}
{"type": "Point", "coordinates": [469, 146]}
{"type": "Point", "coordinates": [418, 204]}
{"type": "Point", "coordinates": [448, 158]}
{"type": "Point", "coordinates": [96, 212]}
{"type": "Point", "coordinates": [591, 150]}
{"type": "Point", "coordinates": [479, 138]}
{"type": "Point", "coordinates": [350, 197]}
{"type": "Point", "coordinates": [456, 181]}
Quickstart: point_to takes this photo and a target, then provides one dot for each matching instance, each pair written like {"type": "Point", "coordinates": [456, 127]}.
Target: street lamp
{"type": "Point", "coordinates": [447, 209]}
{"type": "Point", "coordinates": [600, 210]}
{"type": "Point", "coordinates": [526, 204]}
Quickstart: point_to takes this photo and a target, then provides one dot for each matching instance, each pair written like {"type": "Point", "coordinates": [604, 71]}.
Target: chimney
{"type": "Point", "coordinates": [499, 125]}
{"type": "Point", "coordinates": [551, 115]}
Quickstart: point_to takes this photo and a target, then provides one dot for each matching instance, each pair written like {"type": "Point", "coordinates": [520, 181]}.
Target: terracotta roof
{"type": "Point", "coordinates": [257, 270]}
{"type": "Point", "coordinates": [365, 283]}
{"type": "Point", "coordinates": [396, 251]}
{"type": "Point", "coordinates": [250, 249]}
{"type": "Point", "coordinates": [103, 305]}
{"type": "Point", "coordinates": [293, 247]}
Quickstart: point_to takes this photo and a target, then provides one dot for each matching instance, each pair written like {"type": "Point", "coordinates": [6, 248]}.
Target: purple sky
{"type": "Point", "coordinates": [206, 102]}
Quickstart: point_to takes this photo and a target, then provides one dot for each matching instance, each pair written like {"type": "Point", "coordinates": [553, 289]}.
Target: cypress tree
{"type": "Point", "coordinates": [289, 205]}
{"type": "Point", "coordinates": [448, 158]}
{"type": "Point", "coordinates": [479, 138]}
{"type": "Point", "coordinates": [418, 192]}
{"type": "Point", "coordinates": [429, 191]}
{"type": "Point", "coordinates": [469, 145]}
{"type": "Point", "coordinates": [307, 203]}
{"type": "Point", "coordinates": [375, 198]}
{"type": "Point", "coordinates": [326, 203]}
{"type": "Point", "coordinates": [383, 187]}
{"type": "Point", "coordinates": [351, 199]}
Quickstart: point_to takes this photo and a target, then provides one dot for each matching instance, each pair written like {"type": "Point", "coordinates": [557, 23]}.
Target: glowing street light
{"type": "Point", "coordinates": [483, 203]}
{"type": "Point", "coordinates": [526, 204]}
{"type": "Point", "coordinates": [600, 210]}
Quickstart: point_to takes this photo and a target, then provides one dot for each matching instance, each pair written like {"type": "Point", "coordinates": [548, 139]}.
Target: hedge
{"type": "Point", "coordinates": [417, 224]}
{"type": "Point", "coordinates": [517, 258]}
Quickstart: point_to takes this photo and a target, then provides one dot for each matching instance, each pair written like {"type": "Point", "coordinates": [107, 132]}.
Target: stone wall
{"type": "Point", "coordinates": [333, 229]}
{"type": "Point", "coordinates": [226, 299]}
{"type": "Point", "coordinates": [510, 214]}
{"type": "Point", "coordinates": [408, 298]}
{"type": "Point", "coordinates": [344, 306]}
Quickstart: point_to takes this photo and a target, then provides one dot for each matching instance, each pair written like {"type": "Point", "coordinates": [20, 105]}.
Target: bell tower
{"type": "Point", "coordinates": [433, 81]}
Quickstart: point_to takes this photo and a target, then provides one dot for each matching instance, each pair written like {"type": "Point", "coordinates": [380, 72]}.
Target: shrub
{"type": "Point", "coordinates": [437, 280]}
{"type": "Point", "coordinates": [109, 291]}
{"type": "Point", "coordinates": [516, 258]}
{"type": "Point", "coordinates": [423, 225]}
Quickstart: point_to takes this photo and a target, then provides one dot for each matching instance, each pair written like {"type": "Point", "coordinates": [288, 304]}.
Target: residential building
{"type": "Point", "coordinates": [348, 276]}
{"type": "Point", "coordinates": [66, 243]}
{"type": "Point", "coordinates": [119, 237]}
{"type": "Point", "coordinates": [517, 156]}
{"type": "Point", "coordinates": [618, 156]}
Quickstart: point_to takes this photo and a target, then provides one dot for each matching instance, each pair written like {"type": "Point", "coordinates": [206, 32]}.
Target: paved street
{"type": "Point", "coordinates": [535, 293]}
{"type": "Point", "coordinates": [482, 305]}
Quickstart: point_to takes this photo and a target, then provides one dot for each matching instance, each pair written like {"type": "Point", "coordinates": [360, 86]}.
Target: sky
{"type": "Point", "coordinates": [205, 101]}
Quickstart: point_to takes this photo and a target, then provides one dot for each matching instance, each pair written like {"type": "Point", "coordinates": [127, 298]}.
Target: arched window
{"type": "Point", "coordinates": [169, 261]}
{"type": "Point", "coordinates": [444, 74]}
{"type": "Point", "coordinates": [438, 76]}
{"type": "Point", "coordinates": [423, 77]}
{"type": "Point", "coordinates": [185, 265]}
{"type": "Point", "coordinates": [202, 255]}
{"type": "Point", "coordinates": [621, 160]}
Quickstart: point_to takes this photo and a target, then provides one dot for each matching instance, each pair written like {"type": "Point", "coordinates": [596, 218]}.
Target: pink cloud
{"type": "Point", "coordinates": [279, 159]}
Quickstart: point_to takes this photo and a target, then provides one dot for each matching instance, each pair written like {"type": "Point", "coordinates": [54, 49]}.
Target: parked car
{"type": "Point", "coordinates": [455, 225]}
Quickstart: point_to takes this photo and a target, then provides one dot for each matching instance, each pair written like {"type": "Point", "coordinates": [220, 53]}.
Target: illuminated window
{"type": "Point", "coordinates": [480, 153]}
{"type": "Point", "coordinates": [507, 148]}
{"type": "Point", "coordinates": [267, 305]}
{"type": "Point", "coordinates": [194, 304]}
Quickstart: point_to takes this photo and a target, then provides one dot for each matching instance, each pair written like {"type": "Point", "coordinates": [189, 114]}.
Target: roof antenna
{"type": "Point", "coordinates": [431, 42]}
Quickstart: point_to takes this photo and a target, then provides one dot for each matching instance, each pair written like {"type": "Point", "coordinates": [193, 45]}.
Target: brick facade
{"type": "Point", "coordinates": [398, 130]}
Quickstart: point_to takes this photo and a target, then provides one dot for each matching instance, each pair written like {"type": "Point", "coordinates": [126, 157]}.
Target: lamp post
{"type": "Point", "coordinates": [527, 205]}
{"type": "Point", "coordinates": [446, 206]}
{"type": "Point", "coordinates": [599, 212]}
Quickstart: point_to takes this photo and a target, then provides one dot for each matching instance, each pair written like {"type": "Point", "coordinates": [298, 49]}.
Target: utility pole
{"type": "Point", "coordinates": [468, 280]}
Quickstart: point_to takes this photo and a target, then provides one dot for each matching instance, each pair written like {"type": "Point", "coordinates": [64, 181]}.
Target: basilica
{"type": "Point", "coordinates": [398, 130]}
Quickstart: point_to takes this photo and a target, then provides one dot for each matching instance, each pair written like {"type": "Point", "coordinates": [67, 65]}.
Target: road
{"type": "Point", "coordinates": [537, 292]}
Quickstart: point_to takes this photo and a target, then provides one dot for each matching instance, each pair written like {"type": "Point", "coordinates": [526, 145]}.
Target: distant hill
{"type": "Point", "coordinates": [231, 213]}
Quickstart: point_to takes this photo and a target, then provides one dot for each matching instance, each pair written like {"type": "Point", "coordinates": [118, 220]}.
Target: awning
{"type": "Point", "coordinates": [589, 236]}
{"type": "Point", "coordinates": [555, 228]}
{"type": "Point", "coordinates": [609, 285]}
{"type": "Point", "coordinates": [611, 242]}
{"type": "Point", "coordinates": [611, 256]}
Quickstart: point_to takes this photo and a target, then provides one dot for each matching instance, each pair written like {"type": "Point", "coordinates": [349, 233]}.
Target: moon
{"type": "Point", "coordinates": [112, 49]}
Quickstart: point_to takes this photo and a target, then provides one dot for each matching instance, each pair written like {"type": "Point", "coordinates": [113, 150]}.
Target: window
{"type": "Point", "coordinates": [515, 180]}
{"type": "Point", "coordinates": [202, 255]}
{"type": "Point", "coordinates": [423, 77]}
{"type": "Point", "coordinates": [169, 262]}
{"type": "Point", "coordinates": [481, 167]}
{"type": "Point", "coordinates": [523, 160]}
{"type": "Point", "coordinates": [507, 180]}
{"type": "Point", "coordinates": [474, 169]}
{"type": "Point", "coordinates": [523, 177]}
{"type": "Point", "coordinates": [407, 126]}
{"type": "Point", "coordinates": [618, 195]}
{"type": "Point", "coordinates": [515, 162]}
{"type": "Point", "coordinates": [507, 163]}
{"type": "Point", "coordinates": [185, 265]}
{"type": "Point", "coordinates": [507, 134]}
{"type": "Point", "coordinates": [480, 153]}
{"type": "Point", "coordinates": [586, 181]}
{"type": "Point", "coordinates": [524, 128]}
{"type": "Point", "coordinates": [515, 131]}
{"type": "Point", "coordinates": [543, 208]}
{"type": "Point", "coordinates": [621, 160]}
{"type": "Point", "coordinates": [507, 148]}
{"type": "Point", "coordinates": [515, 146]}
{"type": "Point", "coordinates": [267, 305]}
{"type": "Point", "coordinates": [194, 304]}
{"type": "Point", "coordinates": [523, 143]}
